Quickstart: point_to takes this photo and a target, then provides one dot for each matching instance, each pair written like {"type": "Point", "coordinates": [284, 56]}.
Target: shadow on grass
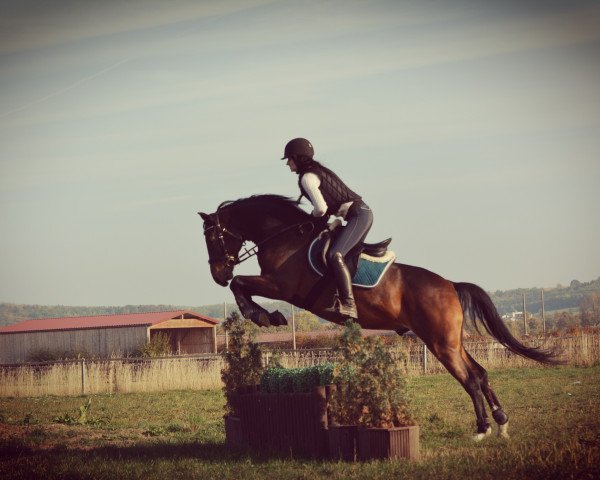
{"type": "Point", "coordinates": [204, 451]}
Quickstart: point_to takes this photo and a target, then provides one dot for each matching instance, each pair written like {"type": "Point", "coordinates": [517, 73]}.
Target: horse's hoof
{"type": "Point", "coordinates": [276, 318]}
{"type": "Point", "coordinates": [478, 437]}
{"type": "Point", "coordinates": [261, 319]}
{"type": "Point", "coordinates": [503, 430]}
{"type": "Point", "coordinates": [499, 416]}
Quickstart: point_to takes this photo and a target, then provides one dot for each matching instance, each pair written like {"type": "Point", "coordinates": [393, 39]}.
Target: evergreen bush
{"type": "Point", "coordinates": [371, 388]}
{"type": "Point", "coordinates": [243, 360]}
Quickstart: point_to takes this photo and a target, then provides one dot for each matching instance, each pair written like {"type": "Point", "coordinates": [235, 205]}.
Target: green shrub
{"type": "Point", "coordinates": [325, 372]}
{"type": "Point", "coordinates": [371, 389]}
{"type": "Point", "coordinates": [295, 380]}
{"type": "Point", "coordinates": [243, 360]}
{"type": "Point", "coordinates": [159, 345]}
{"type": "Point", "coordinates": [82, 419]}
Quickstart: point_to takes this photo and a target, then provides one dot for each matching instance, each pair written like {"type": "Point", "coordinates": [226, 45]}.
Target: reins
{"type": "Point", "coordinates": [249, 253]}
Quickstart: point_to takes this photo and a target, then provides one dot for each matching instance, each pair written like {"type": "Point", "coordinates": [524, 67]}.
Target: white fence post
{"type": "Point", "coordinates": [83, 376]}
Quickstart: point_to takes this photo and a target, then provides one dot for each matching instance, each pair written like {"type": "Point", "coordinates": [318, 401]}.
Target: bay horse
{"type": "Point", "coordinates": [407, 298]}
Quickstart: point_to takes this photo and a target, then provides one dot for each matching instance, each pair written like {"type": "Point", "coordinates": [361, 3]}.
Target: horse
{"type": "Point", "coordinates": [408, 298]}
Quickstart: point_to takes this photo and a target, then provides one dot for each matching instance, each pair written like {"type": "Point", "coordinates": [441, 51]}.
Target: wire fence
{"type": "Point", "coordinates": [200, 372]}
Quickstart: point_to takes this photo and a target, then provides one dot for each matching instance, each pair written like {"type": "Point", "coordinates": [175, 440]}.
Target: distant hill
{"type": "Point", "coordinates": [557, 298]}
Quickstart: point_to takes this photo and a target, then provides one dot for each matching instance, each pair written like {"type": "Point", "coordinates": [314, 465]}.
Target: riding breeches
{"type": "Point", "coordinates": [359, 220]}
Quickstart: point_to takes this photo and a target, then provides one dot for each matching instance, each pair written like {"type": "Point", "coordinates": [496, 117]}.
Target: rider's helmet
{"type": "Point", "coordinates": [298, 147]}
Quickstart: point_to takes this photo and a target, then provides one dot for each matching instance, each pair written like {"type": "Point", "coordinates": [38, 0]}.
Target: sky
{"type": "Point", "coordinates": [471, 128]}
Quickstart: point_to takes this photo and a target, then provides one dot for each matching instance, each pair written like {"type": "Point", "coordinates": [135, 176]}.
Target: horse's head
{"type": "Point", "coordinates": [223, 246]}
{"type": "Point", "coordinates": [254, 219]}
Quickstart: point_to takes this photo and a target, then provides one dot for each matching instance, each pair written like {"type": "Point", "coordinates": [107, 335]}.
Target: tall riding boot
{"type": "Point", "coordinates": [344, 304]}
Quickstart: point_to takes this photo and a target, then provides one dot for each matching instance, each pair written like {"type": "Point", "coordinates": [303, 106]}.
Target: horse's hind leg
{"type": "Point", "coordinates": [469, 378]}
{"type": "Point", "coordinates": [497, 412]}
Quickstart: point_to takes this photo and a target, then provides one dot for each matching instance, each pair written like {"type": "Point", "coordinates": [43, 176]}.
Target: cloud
{"type": "Point", "coordinates": [65, 89]}
{"type": "Point", "coordinates": [24, 26]}
{"type": "Point", "coordinates": [267, 60]}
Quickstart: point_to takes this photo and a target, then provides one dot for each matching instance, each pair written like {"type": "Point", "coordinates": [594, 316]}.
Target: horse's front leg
{"type": "Point", "coordinates": [244, 287]}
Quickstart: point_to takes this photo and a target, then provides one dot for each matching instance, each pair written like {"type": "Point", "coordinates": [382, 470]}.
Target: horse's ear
{"type": "Point", "coordinates": [204, 216]}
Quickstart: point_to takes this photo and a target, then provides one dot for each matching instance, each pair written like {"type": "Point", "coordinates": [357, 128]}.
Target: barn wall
{"type": "Point", "coordinates": [190, 340]}
{"type": "Point", "coordinates": [15, 347]}
{"type": "Point", "coordinates": [198, 340]}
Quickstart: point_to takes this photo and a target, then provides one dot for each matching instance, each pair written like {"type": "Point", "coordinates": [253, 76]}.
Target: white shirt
{"type": "Point", "coordinates": [311, 182]}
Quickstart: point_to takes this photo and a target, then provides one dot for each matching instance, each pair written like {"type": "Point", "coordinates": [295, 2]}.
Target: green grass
{"type": "Point", "coordinates": [554, 426]}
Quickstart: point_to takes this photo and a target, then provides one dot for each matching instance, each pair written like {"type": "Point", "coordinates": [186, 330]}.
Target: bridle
{"type": "Point", "coordinates": [232, 259]}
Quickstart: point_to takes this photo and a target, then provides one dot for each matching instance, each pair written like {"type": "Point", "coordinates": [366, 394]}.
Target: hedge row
{"type": "Point", "coordinates": [296, 380]}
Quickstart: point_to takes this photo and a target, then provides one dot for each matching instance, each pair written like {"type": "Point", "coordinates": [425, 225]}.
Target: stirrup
{"type": "Point", "coordinates": [348, 312]}
{"type": "Point", "coordinates": [342, 310]}
{"type": "Point", "coordinates": [337, 304]}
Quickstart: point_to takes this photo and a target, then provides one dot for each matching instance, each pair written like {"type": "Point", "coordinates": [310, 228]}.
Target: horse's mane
{"type": "Point", "coordinates": [284, 208]}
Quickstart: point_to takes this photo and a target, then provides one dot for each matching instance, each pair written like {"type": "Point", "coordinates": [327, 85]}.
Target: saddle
{"type": "Point", "coordinates": [367, 262]}
{"type": "Point", "coordinates": [378, 249]}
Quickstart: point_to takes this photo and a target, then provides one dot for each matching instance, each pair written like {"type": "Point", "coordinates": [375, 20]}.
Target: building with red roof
{"type": "Point", "coordinates": [107, 335]}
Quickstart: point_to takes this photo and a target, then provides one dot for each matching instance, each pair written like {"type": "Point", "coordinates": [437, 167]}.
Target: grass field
{"type": "Point", "coordinates": [554, 426]}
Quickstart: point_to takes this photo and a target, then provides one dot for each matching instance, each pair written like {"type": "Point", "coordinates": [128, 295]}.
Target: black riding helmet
{"type": "Point", "coordinates": [298, 147]}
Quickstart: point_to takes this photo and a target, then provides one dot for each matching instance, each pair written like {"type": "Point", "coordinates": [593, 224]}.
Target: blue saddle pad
{"type": "Point", "coordinates": [369, 271]}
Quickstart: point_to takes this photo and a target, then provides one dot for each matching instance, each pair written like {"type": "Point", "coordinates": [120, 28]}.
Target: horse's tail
{"type": "Point", "coordinates": [478, 305]}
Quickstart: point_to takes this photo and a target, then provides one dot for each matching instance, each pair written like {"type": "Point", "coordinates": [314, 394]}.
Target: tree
{"type": "Point", "coordinates": [535, 326]}
{"type": "Point", "coordinates": [590, 310]}
{"type": "Point", "coordinates": [564, 320]}
{"type": "Point", "coordinates": [307, 322]}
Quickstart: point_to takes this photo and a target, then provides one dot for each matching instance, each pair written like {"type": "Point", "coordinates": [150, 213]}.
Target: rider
{"type": "Point", "coordinates": [329, 195]}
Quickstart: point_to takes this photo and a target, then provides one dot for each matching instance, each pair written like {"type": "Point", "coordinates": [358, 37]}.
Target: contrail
{"type": "Point", "coordinates": [63, 90]}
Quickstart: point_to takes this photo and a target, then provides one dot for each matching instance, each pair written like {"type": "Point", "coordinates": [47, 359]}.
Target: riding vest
{"type": "Point", "coordinates": [334, 191]}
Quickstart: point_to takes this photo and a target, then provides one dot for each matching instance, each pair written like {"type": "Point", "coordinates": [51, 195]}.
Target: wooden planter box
{"type": "Point", "coordinates": [288, 423]}
{"type": "Point", "coordinates": [388, 443]}
{"type": "Point", "coordinates": [342, 442]}
{"type": "Point", "coordinates": [297, 424]}
{"type": "Point", "coordinates": [234, 437]}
